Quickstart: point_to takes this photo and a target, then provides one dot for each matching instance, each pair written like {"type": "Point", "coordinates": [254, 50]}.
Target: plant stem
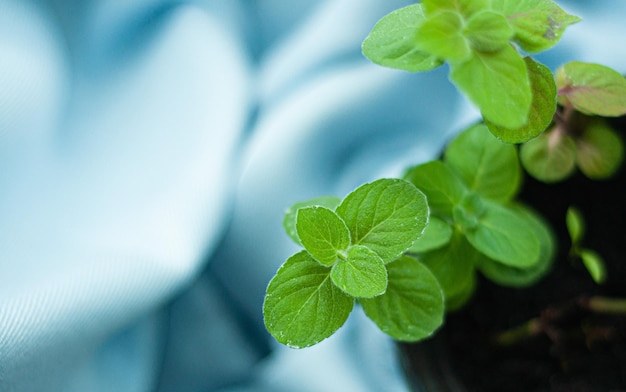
{"type": "Point", "coordinates": [598, 304]}
{"type": "Point", "coordinates": [516, 334]}
{"type": "Point", "coordinates": [546, 322]}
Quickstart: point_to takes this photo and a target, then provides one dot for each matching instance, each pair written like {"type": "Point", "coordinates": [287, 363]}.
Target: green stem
{"type": "Point", "coordinates": [563, 116]}
{"type": "Point", "coordinates": [545, 323]}
{"type": "Point", "coordinates": [516, 334]}
{"type": "Point", "coordinates": [606, 305]}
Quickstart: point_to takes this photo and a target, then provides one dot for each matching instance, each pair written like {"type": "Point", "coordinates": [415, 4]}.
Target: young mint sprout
{"type": "Point", "coordinates": [354, 251]}
{"type": "Point", "coordinates": [482, 42]}
{"type": "Point", "coordinates": [592, 261]}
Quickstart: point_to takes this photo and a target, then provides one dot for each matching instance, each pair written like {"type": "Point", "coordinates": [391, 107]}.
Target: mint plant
{"type": "Point", "coordinates": [409, 250]}
{"type": "Point", "coordinates": [481, 42]}
{"type": "Point", "coordinates": [354, 252]}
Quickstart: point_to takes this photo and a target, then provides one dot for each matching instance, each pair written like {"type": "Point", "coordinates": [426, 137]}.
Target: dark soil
{"type": "Point", "coordinates": [577, 350]}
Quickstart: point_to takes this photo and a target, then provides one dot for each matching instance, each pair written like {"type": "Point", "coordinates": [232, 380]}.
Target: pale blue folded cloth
{"type": "Point", "coordinates": [148, 149]}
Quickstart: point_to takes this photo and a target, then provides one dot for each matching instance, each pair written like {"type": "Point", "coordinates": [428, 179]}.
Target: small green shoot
{"type": "Point", "coordinates": [592, 261]}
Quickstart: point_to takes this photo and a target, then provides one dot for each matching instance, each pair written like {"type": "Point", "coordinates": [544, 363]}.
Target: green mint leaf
{"type": "Point", "coordinates": [488, 31]}
{"type": "Point", "coordinates": [592, 89]}
{"type": "Point", "coordinates": [498, 84]}
{"type": "Point", "coordinates": [600, 150]}
{"type": "Point", "coordinates": [453, 266]}
{"type": "Point", "coordinates": [323, 234]}
{"type": "Point", "coordinates": [550, 157]}
{"type": "Point", "coordinates": [391, 43]}
{"type": "Point", "coordinates": [466, 7]}
{"type": "Point", "coordinates": [412, 308]}
{"type": "Point", "coordinates": [442, 35]}
{"type": "Point", "coordinates": [538, 24]}
{"type": "Point", "coordinates": [302, 306]}
{"type": "Point", "coordinates": [362, 275]}
{"type": "Point", "coordinates": [505, 235]}
{"type": "Point", "coordinates": [436, 234]}
{"type": "Point", "coordinates": [594, 264]}
{"type": "Point", "coordinates": [542, 107]}
{"type": "Point", "coordinates": [442, 186]}
{"type": "Point", "coordinates": [487, 165]}
{"type": "Point", "coordinates": [386, 215]}
{"type": "Point", "coordinates": [289, 220]}
{"type": "Point", "coordinates": [575, 224]}
{"type": "Point", "coordinates": [523, 277]}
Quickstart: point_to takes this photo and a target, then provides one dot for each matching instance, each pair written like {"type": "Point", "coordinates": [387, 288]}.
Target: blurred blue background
{"type": "Point", "coordinates": [148, 149]}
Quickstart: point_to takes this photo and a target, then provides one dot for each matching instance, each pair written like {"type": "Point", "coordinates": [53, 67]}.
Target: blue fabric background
{"type": "Point", "coordinates": [148, 149]}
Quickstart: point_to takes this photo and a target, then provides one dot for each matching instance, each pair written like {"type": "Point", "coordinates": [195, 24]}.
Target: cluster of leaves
{"type": "Point", "coordinates": [354, 251]}
{"type": "Point", "coordinates": [481, 41]}
{"type": "Point", "coordinates": [406, 261]}
{"type": "Point", "coordinates": [476, 223]}
{"type": "Point", "coordinates": [579, 136]}
{"type": "Point", "coordinates": [519, 98]}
